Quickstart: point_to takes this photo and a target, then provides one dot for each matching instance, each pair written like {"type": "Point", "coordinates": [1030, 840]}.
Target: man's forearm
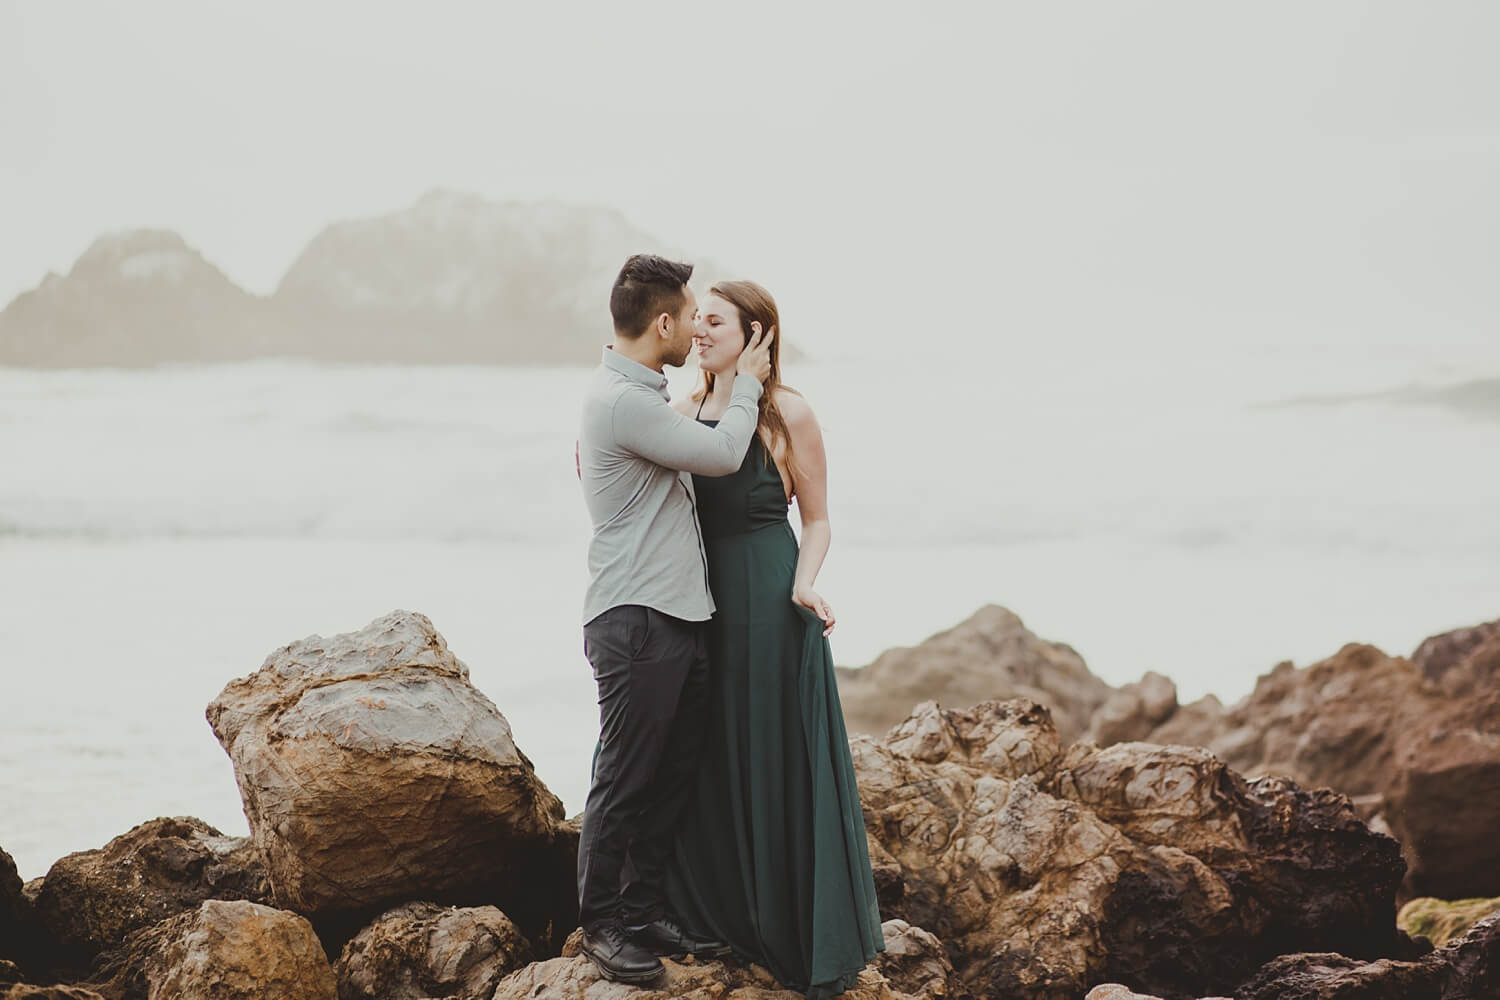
{"type": "Point", "coordinates": [660, 434]}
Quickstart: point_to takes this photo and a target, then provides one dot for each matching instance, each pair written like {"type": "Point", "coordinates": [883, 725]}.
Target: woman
{"type": "Point", "coordinates": [771, 855]}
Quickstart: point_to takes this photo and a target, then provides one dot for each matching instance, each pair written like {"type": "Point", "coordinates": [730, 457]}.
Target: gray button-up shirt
{"type": "Point", "coordinates": [635, 454]}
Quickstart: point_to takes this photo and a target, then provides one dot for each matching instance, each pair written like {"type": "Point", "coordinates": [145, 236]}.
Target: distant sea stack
{"type": "Point", "coordinates": [136, 298]}
{"type": "Point", "coordinates": [458, 278]}
{"type": "Point", "coordinates": [453, 278]}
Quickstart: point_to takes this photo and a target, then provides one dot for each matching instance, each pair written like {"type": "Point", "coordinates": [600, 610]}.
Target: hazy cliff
{"type": "Point", "coordinates": [451, 278]}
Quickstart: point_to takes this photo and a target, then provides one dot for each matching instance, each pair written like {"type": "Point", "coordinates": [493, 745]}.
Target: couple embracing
{"type": "Point", "coordinates": [723, 816]}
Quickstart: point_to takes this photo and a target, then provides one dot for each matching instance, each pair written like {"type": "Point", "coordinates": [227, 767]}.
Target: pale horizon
{"type": "Point", "coordinates": [1159, 172]}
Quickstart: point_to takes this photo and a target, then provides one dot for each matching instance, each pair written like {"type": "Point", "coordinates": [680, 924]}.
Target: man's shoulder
{"type": "Point", "coordinates": [614, 401]}
{"type": "Point", "coordinates": [605, 387]}
{"type": "Point", "coordinates": [626, 393]}
{"type": "Point", "coordinates": [605, 379]}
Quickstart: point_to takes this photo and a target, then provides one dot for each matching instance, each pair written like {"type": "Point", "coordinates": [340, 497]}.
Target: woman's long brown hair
{"type": "Point", "coordinates": [755, 305]}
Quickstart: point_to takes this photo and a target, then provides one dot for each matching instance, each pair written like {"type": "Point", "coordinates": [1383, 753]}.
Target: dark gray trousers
{"type": "Point", "coordinates": [652, 672]}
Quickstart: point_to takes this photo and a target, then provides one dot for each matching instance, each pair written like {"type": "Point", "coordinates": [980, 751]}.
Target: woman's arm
{"type": "Point", "coordinates": [810, 486]}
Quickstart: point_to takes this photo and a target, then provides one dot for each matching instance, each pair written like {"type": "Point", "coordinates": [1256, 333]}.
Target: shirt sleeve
{"type": "Point", "coordinates": [645, 425]}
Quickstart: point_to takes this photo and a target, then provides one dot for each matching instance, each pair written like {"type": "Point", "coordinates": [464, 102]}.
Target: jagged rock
{"type": "Point", "coordinates": [421, 950]}
{"type": "Point", "coordinates": [1046, 870]}
{"type": "Point", "coordinates": [1446, 658]}
{"type": "Point", "coordinates": [914, 962]}
{"type": "Point", "coordinates": [576, 978]}
{"type": "Point", "coordinates": [16, 920]}
{"type": "Point", "coordinates": [1199, 723]}
{"type": "Point", "coordinates": [1114, 991]}
{"type": "Point", "coordinates": [1442, 920]}
{"type": "Point", "coordinates": [1329, 724]}
{"type": "Point", "coordinates": [991, 655]}
{"type": "Point", "coordinates": [26, 992]}
{"type": "Point", "coordinates": [1131, 712]}
{"type": "Point", "coordinates": [1375, 728]}
{"type": "Point", "coordinates": [90, 901]}
{"type": "Point", "coordinates": [1467, 968]}
{"type": "Point", "coordinates": [1444, 799]}
{"type": "Point", "coordinates": [1478, 672]}
{"type": "Point", "coordinates": [223, 950]}
{"type": "Point", "coordinates": [373, 772]}
{"type": "Point", "coordinates": [9, 972]}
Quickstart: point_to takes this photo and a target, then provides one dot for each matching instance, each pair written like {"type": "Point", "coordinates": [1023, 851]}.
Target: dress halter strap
{"type": "Point", "coordinates": [700, 406]}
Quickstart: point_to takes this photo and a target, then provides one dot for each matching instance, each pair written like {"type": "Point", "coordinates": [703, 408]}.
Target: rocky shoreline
{"type": "Point", "coordinates": [1036, 833]}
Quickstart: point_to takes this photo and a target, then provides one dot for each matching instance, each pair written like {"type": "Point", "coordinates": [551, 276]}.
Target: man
{"type": "Point", "coordinates": [644, 614]}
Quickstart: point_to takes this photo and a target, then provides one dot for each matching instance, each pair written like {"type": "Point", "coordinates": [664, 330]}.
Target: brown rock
{"type": "Point", "coordinates": [1443, 803]}
{"type": "Point", "coordinates": [1316, 976]}
{"type": "Point", "coordinates": [1478, 672]}
{"type": "Point", "coordinates": [223, 950]}
{"type": "Point", "coordinates": [91, 900]}
{"type": "Point", "coordinates": [1197, 724]}
{"type": "Point", "coordinates": [1114, 991]}
{"type": "Point", "coordinates": [991, 655]}
{"type": "Point", "coordinates": [24, 992]}
{"type": "Point", "coordinates": [577, 979]}
{"type": "Point", "coordinates": [1131, 712]}
{"type": "Point", "coordinates": [423, 950]}
{"type": "Point", "coordinates": [914, 962]}
{"type": "Point", "coordinates": [1413, 757]}
{"type": "Point", "coordinates": [16, 920]}
{"type": "Point", "coordinates": [1046, 871]}
{"type": "Point", "coordinates": [373, 772]}
{"type": "Point", "coordinates": [1468, 968]}
{"type": "Point", "coordinates": [1330, 724]}
{"type": "Point", "coordinates": [1439, 655]}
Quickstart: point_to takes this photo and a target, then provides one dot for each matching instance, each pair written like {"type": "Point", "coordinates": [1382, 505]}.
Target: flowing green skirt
{"type": "Point", "coordinates": [771, 855]}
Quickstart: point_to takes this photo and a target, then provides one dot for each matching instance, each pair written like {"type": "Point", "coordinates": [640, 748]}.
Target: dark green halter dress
{"type": "Point", "coordinates": [771, 855]}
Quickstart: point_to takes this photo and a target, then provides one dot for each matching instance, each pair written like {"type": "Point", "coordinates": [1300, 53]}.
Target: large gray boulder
{"type": "Point", "coordinates": [373, 772]}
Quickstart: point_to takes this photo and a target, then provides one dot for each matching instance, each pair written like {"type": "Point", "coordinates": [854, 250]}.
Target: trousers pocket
{"type": "Point", "coordinates": [637, 630]}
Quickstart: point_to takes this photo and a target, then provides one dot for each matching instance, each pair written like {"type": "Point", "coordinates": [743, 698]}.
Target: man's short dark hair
{"type": "Point", "coordinates": [648, 286]}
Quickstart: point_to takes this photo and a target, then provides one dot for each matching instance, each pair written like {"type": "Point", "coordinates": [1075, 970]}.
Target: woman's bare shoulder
{"type": "Point", "coordinates": [794, 407]}
{"type": "Point", "coordinates": [685, 405]}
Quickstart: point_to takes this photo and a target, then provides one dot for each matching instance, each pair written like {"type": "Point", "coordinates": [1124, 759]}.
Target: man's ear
{"type": "Point", "coordinates": [664, 326]}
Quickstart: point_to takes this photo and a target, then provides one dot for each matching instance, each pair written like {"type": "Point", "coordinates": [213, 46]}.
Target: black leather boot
{"type": "Point", "coordinates": [618, 957]}
{"type": "Point", "coordinates": [663, 936]}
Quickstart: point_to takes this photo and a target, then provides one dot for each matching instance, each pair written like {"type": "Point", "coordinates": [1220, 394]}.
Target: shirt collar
{"type": "Point", "coordinates": [634, 370]}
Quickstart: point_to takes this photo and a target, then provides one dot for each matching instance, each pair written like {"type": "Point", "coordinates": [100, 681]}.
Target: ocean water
{"type": "Point", "coordinates": [1202, 515]}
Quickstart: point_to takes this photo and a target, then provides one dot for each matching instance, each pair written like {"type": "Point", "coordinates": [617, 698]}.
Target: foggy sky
{"type": "Point", "coordinates": [977, 174]}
